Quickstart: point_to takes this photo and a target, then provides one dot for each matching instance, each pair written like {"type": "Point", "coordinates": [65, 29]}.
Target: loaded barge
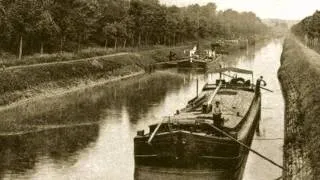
{"type": "Point", "coordinates": [207, 59]}
{"type": "Point", "coordinates": [197, 63]}
{"type": "Point", "coordinates": [196, 143]}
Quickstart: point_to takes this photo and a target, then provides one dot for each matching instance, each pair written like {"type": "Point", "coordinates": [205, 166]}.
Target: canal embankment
{"type": "Point", "coordinates": [27, 81]}
{"type": "Point", "coordinates": [299, 75]}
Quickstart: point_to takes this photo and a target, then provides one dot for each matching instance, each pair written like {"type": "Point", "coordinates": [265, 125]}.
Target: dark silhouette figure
{"type": "Point", "coordinates": [258, 85]}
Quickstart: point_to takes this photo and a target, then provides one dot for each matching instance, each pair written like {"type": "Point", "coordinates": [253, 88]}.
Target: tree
{"type": "Point", "coordinates": [46, 27]}
{"type": "Point", "coordinates": [115, 31]}
{"type": "Point", "coordinates": [23, 16]}
{"type": "Point", "coordinates": [69, 25]}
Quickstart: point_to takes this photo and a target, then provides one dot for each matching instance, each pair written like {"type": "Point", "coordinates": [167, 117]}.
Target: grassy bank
{"type": "Point", "coordinates": [8, 60]}
{"type": "Point", "coordinates": [21, 82]}
{"type": "Point", "coordinates": [26, 82]}
{"type": "Point", "coordinates": [300, 77]}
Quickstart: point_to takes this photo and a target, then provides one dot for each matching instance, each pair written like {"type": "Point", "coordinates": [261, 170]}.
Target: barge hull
{"type": "Point", "coordinates": [183, 155]}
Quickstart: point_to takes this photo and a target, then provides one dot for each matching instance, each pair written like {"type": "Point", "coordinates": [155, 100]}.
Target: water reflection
{"type": "Point", "coordinates": [21, 154]}
{"type": "Point", "coordinates": [102, 121]}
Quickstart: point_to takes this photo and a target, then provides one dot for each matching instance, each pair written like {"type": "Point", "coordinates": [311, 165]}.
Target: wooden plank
{"type": "Point", "coordinates": [154, 132]}
{"type": "Point", "coordinates": [210, 99]}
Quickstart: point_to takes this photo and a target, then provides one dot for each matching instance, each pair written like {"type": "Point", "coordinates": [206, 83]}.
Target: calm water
{"type": "Point", "coordinates": [97, 142]}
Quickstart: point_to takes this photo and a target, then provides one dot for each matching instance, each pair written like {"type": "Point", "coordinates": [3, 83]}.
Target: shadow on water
{"type": "Point", "coordinates": [22, 153]}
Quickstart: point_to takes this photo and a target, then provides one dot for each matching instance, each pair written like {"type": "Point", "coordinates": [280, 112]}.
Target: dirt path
{"type": "Point", "coordinates": [92, 58]}
{"type": "Point", "coordinates": [67, 62]}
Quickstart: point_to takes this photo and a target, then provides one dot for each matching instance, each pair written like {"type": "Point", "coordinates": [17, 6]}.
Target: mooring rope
{"type": "Point", "coordinates": [294, 174]}
{"type": "Point", "coordinates": [247, 147]}
{"type": "Point", "coordinates": [267, 139]}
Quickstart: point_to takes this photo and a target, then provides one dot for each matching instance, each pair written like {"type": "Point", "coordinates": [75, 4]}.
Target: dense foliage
{"type": "Point", "coordinates": [300, 71]}
{"type": "Point", "coordinates": [309, 26]}
{"type": "Point", "coordinates": [59, 25]}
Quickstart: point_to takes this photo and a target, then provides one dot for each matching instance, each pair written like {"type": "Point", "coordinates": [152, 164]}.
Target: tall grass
{"type": "Point", "coordinates": [301, 67]}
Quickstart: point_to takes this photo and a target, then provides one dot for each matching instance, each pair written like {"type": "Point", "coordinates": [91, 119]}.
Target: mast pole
{"type": "Point", "coordinates": [252, 78]}
{"type": "Point", "coordinates": [197, 87]}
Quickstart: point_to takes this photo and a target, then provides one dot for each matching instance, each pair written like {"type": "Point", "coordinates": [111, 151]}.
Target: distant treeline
{"type": "Point", "coordinates": [309, 27]}
{"type": "Point", "coordinates": [35, 26]}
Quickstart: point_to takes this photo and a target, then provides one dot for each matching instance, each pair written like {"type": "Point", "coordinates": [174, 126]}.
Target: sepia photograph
{"type": "Point", "coordinates": [159, 90]}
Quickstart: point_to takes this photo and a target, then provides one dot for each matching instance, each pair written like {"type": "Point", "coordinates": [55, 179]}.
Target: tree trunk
{"type": "Point", "coordinates": [31, 46]}
{"type": "Point", "coordinates": [174, 38]}
{"type": "Point", "coordinates": [105, 44]}
{"type": "Point", "coordinates": [146, 39]}
{"type": "Point", "coordinates": [115, 43]}
{"type": "Point", "coordinates": [61, 44]}
{"type": "Point", "coordinates": [132, 39]}
{"type": "Point", "coordinates": [20, 48]}
{"type": "Point", "coordinates": [124, 43]}
{"type": "Point", "coordinates": [41, 49]}
{"type": "Point", "coordinates": [139, 39]}
{"type": "Point", "coordinates": [79, 37]}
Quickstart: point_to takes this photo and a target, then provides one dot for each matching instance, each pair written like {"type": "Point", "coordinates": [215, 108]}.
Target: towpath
{"type": "Point", "coordinates": [66, 62]}
{"type": "Point", "coordinates": [137, 53]}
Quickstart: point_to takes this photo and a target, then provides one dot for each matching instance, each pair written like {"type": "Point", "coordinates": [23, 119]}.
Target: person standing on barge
{"type": "Point", "coordinates": [217, 112]}
{"type": "Point", "coordinates": [258, 85]}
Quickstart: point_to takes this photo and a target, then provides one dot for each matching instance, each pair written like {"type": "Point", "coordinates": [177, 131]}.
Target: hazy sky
{"type": "Point", "coordinates": [282, 9]}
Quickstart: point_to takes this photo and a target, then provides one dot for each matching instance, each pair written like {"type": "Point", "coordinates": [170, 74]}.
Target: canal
{"type": "Point", "coordinates": [96, 138]}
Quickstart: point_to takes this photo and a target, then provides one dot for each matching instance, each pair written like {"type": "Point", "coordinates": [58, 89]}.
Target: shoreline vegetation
{"type": "Point", "coordinates": [299, 75]}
